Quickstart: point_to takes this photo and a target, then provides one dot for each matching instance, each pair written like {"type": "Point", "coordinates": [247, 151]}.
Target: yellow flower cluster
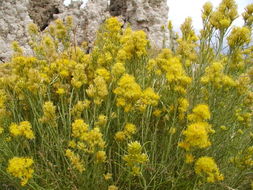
{"type": "Point", "coordinates": [206, 167]}
{"type": "Point", "coordinates": [248, 15]}
{"type": "Point", "coordinates": [134, 44]}
{"type": "Point", "coordinates": [127, 133]}
{"type": "Point", "coordinates": [243, 84]}
{"type": "Point", "coordinates": [21, 168]}
{"type": "Point", "coordinates": [196, 134]}
{"type": "Point", "coordinates": [244, 159]}
{"type": "Point", "coordinates": [134, 159]}
{"type": "Point", "coordinates": [49, 114]}
{"type": "Point", "coordinates": [98, 90]}
{"type": "Point", "coordinates": [23, 129]}
{"type": "Point", "coordinates": [18, 51]}
{"type": "Point", "coordinates": [189, 158]}
{"type": "Point", "coordinates": [176, 76]}
{"type": "Point", "coordinates": [104, 73]}
{"type": "Point", "coordinates": [187, 44]}
{"type": "Point", "coordinates": [183, 105]}
{"type": "Point", "coordinates": [130, 95]}
{"type": "Point", "coordinates": [113, 187]}
{"type": "Point", "coordinates": [75, 160]}
{"type": "Point", "coordinates": [26, 75]}
{"type": "Point", "coordinates": [3, 100]}
{"type": "Point", "coordinates": [158, 65]}
{"type": "Point", "coordinates": [108, 42]}
{"type": "Point", "coordinates": [79, 107]}
{"type": "Point", "coordinates": [238, 37]}
{"type": "Point", "coordinates": [128, 92]}
{"type": "Point", "coordinates": [199, 113]}
{"type": "Point", "coordinates": [59, 68]}
{"type": "Point", "coordinates": [172, 67]}
{"type": "Point", "coordinates": [244, 117]}
{"type": "Point", "coordinates": [148, 97]}
{"type": "Point", "coordinates": [102, 120]}
{"type": "Point", "coordinates": [100, 156]}
{"type": "Point", "coordinates": [87, 140]}
{"type": "Point", "coordinates": [68, 70]}
{"type": "Point", "coordinates": [214, 74]}
{"type": "Point", "coordinates": [118, 69]}
{"type": "Point", "coordinates": [207, 10]}
{"type": "Point", "coordinates": [226, 13]}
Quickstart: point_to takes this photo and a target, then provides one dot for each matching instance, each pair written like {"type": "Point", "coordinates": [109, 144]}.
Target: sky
{"type": "Point", "coordinates": [181, 9]}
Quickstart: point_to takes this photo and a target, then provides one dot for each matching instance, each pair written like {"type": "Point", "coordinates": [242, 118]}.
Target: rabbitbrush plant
{"type": "Point", "coordinates": [122, 117]}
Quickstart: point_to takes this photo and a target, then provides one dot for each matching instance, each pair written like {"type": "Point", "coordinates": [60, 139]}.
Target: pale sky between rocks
{"type": "Point", "coordinates": [180, 9]}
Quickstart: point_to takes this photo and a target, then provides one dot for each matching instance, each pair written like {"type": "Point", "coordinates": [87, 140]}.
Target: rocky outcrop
{"type": "Point", "coordinates": [87, 19]}
{"type": "Point", "coordinates": [150, 16]}
{"type": "Point", "coordinates": [118, 7]}
{"type": "Point", "coordinates": [15, 15]}
{"type": "Point", "coordinates": [42, 12]}
{"type": "Point", "coordinates": [14, 18]}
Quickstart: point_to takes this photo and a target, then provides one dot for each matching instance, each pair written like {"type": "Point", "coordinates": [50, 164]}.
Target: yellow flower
{"type": "Point", "coordinates": [222, 18]}
{"type": "Point", "coordinates": [248, 15]}
{"type": "Point", "coordinates": [79, 128]}
{"type": "Point", "coordinates": [79, 107]}
{"type": "Point", "coordinates": [183, 105]}
{"type": "Point", "coordinates": [100, 156]}
{"type": "Point", "coordinates": [207, 10]}
{"type": "Point", "coordinates": [148, 97]}
{"type": "Point", "coordinates": [157, 112]}
{"type": "Point", "coordinates": [118, 69]}
{"type": "Point", "coordinates": [206, 167]}
{"type": "Point", "coordinates": [21, 168]}
{"type": "Point", "coordinates": [98, 90]}
{"type": "Point", "coordinates": [223, 127]}
{"type": "Point", "coordinates": [113, 187]}
{"type": "Point", "coordinates": [128, 92]}
{"type": "Point", "coordinates": [172, 130]}
{"type": "Point", "coordinates": [107, 176]}
{"type": "Point", "coordinates": [33, 29]}
{"type": "Point", "coordinates": [120, 136]}
{"type": "Point", "coordinates": [130, 129]}
{"type": "Point", "coordinates": [239, 36]}
{"type": "Point", "coordinates": [75, 160]}
{"type": "Point", "coordinates": [94, 140]}
{"type": "Point", "coordinates": [196, 135]}
{"type": "Point", "coordinates": [134, 44]}
{"type": "Point", "coordinates": [102, 120]}
{"type": "Point", "coordinates": [103, 73]}
{"type": "Point", "coordinates": [240, 131]}
{"type": "Point", "coordinates": [134, 157]}
{"type": "Point", "coordinates": [49, 115]}
{"type": "Point", "coordinates": [187, 44]}
{"type": "Point", "coordinates": [189, 158]}
{"type": "Point", "coordinates": [200, 113]}
{"type": "Point", "coordinates": [79, 76]}
{"type": "Point", "coordinates": [214, 74]}
{"type": "Point", "coordinates": [72, 144]}
{"type": "Point", "coordinates": [23, 129]}
{"type": "Point", "coordinates": [1, 130]}
{"type": "Point", "coordinates": [60, 91]}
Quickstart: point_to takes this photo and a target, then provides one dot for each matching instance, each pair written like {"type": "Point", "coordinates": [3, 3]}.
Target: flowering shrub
{"type": "Point", "coordinates": [124, 117]}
